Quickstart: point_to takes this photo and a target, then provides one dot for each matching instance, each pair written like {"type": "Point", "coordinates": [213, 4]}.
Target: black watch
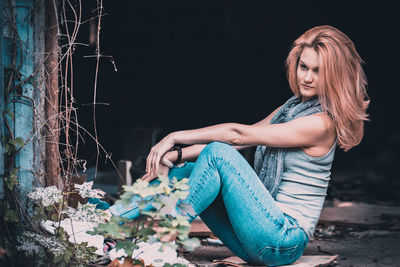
{"type": "Point", "coordinates": [179, 149]}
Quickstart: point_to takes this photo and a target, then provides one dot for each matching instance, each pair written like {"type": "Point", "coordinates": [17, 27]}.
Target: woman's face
{"type": "Point", "coordinates": [307, 73]}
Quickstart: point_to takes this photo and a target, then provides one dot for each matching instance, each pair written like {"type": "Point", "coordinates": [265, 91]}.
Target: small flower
{"type": "Point", "coordinates": [87, 213]}
{"type": "Point", "coordinates": [32, 241]}
{"type": "Point", "coordinates": [85, 190]}
{"type": "Point", "coordinates": [47, 195]}
{"type": "Point", "coordinates": [29, 248]}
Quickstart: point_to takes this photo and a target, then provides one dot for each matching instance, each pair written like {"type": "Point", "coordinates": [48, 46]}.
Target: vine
{"type": "Point", "coordinates": [20, 213]}
{"type": "Point", "coordinates": [28, 215]}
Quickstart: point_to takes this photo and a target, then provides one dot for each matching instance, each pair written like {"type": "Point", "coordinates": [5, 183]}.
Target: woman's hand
{"type": "Point", "coordinates": [156, 154]}
{"type": "Point", "coordinates": [162, 170]}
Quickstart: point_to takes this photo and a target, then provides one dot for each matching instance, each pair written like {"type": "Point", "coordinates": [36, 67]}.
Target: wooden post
{"type": "Point", "coordinates": [124, 167]}
{"type": "Point", "coordinates": [52, 167]}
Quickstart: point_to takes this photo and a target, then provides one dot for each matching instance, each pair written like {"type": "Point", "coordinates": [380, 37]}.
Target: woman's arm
{"type": "Point", "coordinates": [191, 152]}
{"type": "Point", "coordinates": [302, 132]}
{"type": "Point", "coordinates": [311, 131]}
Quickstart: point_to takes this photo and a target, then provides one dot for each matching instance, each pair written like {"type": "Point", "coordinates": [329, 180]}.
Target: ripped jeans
{"type": "Point", "coordinates": [230, 198]}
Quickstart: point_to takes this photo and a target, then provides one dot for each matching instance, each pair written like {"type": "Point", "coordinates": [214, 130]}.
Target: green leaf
{"type": "Point", "coordinates": [84, 253]}
{"type": "Point", "coordinates": [125, 198]}
{"type": "Point", "coordinates": [116, 229]}
{"type": "Point", "coordinates": [14, 171]}
{"type": "Point", "coordinates": [60, 233]}
{"type": "Point", "coordinates": [151, 214]}
{"type": "Point", "coordinates": [11, 216]}
{"type": "Point", "coordinates": [19, 141]}
{"type": "Point", "coordinates": [40, 210]}
{"type": "Point", "coordinates": [9, 113]}
{"type": "Point", "coordinates": [37, 218]}
{"type": "Point", "coordinates": [12, 142]}
{"type": "Point", "coordinates": [145, 231]}
{"type": "Point", "coordinates": [11, 180]}
{"type": "Point", "coordinates": [54, 217]}
{"type": "Point", "coordinates": [108, 230]}
{"type": "Point", "coordinates": [128, 246]}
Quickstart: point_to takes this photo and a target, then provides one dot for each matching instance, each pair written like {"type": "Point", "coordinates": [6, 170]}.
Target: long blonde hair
{"type": "Point", "coordinates": [342, 81]}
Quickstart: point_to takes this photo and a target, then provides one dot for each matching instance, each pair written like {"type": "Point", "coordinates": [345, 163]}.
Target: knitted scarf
{"type": "Point", "coordinates": [268, 161]}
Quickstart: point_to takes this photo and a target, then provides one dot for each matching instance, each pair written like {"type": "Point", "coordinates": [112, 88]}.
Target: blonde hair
{"type": "Point", "coordinates": [342, 81]}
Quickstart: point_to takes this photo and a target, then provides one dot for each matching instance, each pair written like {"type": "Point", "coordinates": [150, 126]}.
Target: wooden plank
{"type": "Point", "coordinates": [199, 229]}
{"type": "Point", "coordinates": [344, 213]}
{"type": "Point", "coordinates": [359, 214]}
{"type": "Point", "coordinates": [311, 261]}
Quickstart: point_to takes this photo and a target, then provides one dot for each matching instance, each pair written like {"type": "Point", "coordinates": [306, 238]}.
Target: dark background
{"type": "Point", "coordinates": [188, 64]}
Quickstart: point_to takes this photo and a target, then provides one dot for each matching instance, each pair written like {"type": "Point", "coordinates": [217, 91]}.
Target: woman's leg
{"type": "Point", "coordinates": [132, 210]}
{"type": "Point", "coordinates": [264, 232]}
{"type": "Point", "coordinates": [216, 218]}
{"type": "Point", "coordinates": [215, 215]}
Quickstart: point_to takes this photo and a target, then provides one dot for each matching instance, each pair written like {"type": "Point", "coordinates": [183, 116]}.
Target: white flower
{"type": "Point", "coordinates": [85, 190]}
{"type": "Point", "coordinates": [47, 195]}
{"type": "Point", "coordinates": [29, 248]}
{"type": "Point", "coordinates": [29, 239]}
{"type": "Point", "coordinates": [87, 213]}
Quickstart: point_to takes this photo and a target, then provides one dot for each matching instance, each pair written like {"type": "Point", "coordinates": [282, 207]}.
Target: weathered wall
{"type": "Point", "coordinates": [22, 99]}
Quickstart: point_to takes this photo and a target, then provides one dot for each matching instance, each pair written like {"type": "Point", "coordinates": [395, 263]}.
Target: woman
{"type": "Point", "coordinates": [267, 215]}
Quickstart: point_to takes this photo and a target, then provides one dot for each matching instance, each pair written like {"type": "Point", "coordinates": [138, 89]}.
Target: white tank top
{"type": "Point", "coordinates": [302, 190]}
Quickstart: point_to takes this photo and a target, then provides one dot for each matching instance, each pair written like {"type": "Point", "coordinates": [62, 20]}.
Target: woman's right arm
{"type": "Point", "coordinates": [193, 151]}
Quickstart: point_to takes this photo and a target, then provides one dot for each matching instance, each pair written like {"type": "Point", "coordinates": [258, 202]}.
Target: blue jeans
{"type": "Point", "coordinates": [230, 198]}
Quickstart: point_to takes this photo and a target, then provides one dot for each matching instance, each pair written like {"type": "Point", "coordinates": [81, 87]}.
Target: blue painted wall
{"type": "Point", "coordinates": [21, 100]}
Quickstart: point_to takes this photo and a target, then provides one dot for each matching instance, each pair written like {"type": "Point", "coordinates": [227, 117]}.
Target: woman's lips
{"type": "Point", "coordinates": [308, 87]}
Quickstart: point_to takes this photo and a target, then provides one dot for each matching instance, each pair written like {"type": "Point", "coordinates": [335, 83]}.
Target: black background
{"type": "Point", "coordinates": [187, 64]}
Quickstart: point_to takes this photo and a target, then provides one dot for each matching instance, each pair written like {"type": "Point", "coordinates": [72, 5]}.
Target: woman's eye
{"type": "Point", "coordinates": [303, 67]}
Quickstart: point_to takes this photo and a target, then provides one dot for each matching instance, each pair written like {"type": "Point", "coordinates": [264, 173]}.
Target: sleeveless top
{"type": "Point", "coordinates": [302, 190]}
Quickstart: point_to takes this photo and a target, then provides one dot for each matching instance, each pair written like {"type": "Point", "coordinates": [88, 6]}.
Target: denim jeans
{"type": "Point", "coordinates": [230, 198]}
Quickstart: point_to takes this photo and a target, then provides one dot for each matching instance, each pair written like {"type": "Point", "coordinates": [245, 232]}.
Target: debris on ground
{"type": "Point", "coordinates": [304, 261]}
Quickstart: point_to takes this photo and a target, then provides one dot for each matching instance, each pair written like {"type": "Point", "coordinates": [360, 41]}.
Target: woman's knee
{"type": "Point", "coordinates": [181, 171]}
{"type": "Point", "coordinates": [217, 148]}
{"type": "Point", "coordinates": [218, 152]}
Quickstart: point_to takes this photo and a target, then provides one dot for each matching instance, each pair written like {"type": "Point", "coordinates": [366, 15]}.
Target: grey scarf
{"type": "Point", "coordinates": [268, 161]}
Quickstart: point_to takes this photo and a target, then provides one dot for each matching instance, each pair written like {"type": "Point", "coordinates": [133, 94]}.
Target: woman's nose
{"type": "Point", "coordinates": [308, 78]}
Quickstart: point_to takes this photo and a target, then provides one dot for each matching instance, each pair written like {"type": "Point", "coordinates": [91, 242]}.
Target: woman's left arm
{"type": "Point", "coordinates": [302, 132]}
